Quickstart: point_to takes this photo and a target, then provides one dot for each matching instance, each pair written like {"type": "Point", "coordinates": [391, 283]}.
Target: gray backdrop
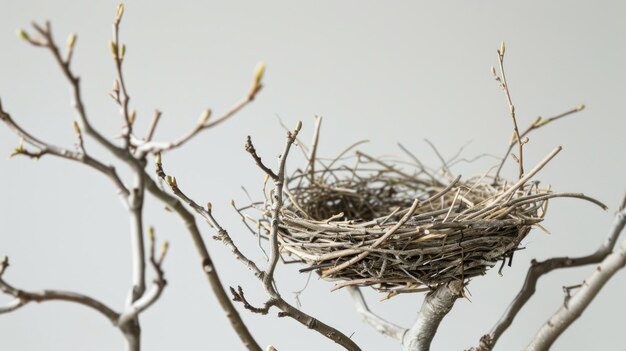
{"type": "Point", "coordinates": [386, 72]}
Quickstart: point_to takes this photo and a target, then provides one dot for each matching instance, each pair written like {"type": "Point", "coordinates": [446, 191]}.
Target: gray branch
{"type": "Point", "coordinates": [381, 325]}
{"type": "Point", "coordinates": [435, 307]}
{"type": "Point", "coordinates": [575, 305]}
{"type": "Point", "coordinates": [538, 269]}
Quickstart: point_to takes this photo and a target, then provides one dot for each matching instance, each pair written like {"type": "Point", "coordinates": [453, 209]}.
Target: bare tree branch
{"type": "Point", "coordinates": [266, 276]}
{"type": "Point", "coordinates": [132, 199]}
{"type": "Point", "coordinates": [46, 148]}
{"type": "Point", "coordinates": [207, 214]}
{"type": "Point", "coordinates": [381, 325]}
{"type": "Point", "coordinates": [436, 305]}
{"type": "Point", "coordinates": [203, 123]}
{"type": "Point", "coordinates": [536, 124]}
{"type": "Point", "coordinates": [48, 42]}
{"type": "Point", "coordinates": [578, 303]}
{"type": "Point", "coordinates": [505, 87]}
{"type": "Point", "coordinates": [23, 297]}
{"type": "Point", "coordinates": [159, 282]}
{"type": "Point", "coordinates": [538, 269]}
{"type": "Point", "coordinates": [249, 147]}
{"type": "Point", "coordinates": [208, 266]}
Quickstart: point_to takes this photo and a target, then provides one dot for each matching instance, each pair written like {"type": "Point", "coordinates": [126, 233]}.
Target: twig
{"type": "Point", "coordinates": [118, 51]}
{"type": "Point", "coordinates": [159, 283]}
{"type": "Point", "coordinates": [505, 87]}
{"type": "Point", "coordinates": [536, 124]}
{"type": "Point", "coordinates": [444, 164]}
{"type": "Point", "coordinates": [208, 266]}
{"type": "Point", "coordinates": [252, 151]}
{"type": "Point", "coordinates": [46, 148]}
{"type": "Point", "coordinates": [266, 276]}
{"type": "Point", "coordinates": [23, 297]}
{"type": "Point", "coordinates": [381, 325]}
{"type": "Point", "coordinates": [313, 152]}
{"type": "Point", "coordinates": [207, 214]}
{"type": "Point", "coordinates": [203, 122]}
{"type": "Point", "coordinates": [48, 42]}
{"type": "Point", "coordinates": [155, 121]}
{"type": "Point", "coordinates": [538, 269]}
{"type": "Point", "coordinates": [131, 330]}
{"type": "Point", "coordinates": [579, 302]}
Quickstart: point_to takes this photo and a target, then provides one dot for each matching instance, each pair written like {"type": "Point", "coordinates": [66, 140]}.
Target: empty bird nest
{"type": "Point", "coordinates": [400, 228]}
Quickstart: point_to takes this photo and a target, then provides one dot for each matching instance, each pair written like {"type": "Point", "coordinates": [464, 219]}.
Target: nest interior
{"type": "Point", "coordinates": [375, 224]}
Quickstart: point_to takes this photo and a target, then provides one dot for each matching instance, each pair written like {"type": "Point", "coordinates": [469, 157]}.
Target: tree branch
{"type": "Point", "coordinates": [208, 267]}
{"type": "Point", "coordinates": [48, 42]}
{"type": "Point", "coordinates": [266, 276]}
{"type": "Point", "coordinates": [381, 325]}
{"type": "Point", "coordinates": [436, 305]}
{"type": "Point", "coordinates": [538, 269]}
{"type": "Point", "coordinates": [151, 296]}
{"type": "Point", "coordinates": [23, 297]}
{"type": "Point", "coordinates": [576, 304]}
{"type": "Point", "coordinates": [203, 123]}
{"type": "Point", "coordinates": [45, 148]}
{"type": "Point", "coordinates": [536, 124]}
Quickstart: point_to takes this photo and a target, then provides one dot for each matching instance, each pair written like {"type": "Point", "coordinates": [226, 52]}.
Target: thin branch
{"type": "Point", "coordinates": [118, 51]}
{"type": "Point", "coordinates": [578, 303]}
{"type": "Point", "coordinates": [536, 124]}
{"type": "Point", "coordinates": [48, 42]}
{"type": "Point", "coordinates": [266, 276]}
{"type": "Point", "coordinates": [155, 121]}
{"type": "Point", "coordinates": [151, 296]}
{"type": "Point", "coordinates": [23, 297]}
{"type": "Point", "coordinates": [435, 307]}
{"type": "Point", "coordinates": [208, 267]}
{"type": "Point", "coordinates": [203, 123]}
{"type": "Point", "coordinates": [505, 87]}
{"type": "Point", "coordinates": [444, 164]}
{"type": "Point", "coordinates": [249, 147]}
{"type": "Point", "coordinates": [313, 152]}
{"type": "Point", "coordinates": [131, 330]}
{"type": "Point", "coordinates": [381, 325]}
{"type": "Point", "coordinates": [46, 148]}
{"type": "Point", "coordinates": [207, 214]}
{"type": "Point", "coordinates": [538, 269]}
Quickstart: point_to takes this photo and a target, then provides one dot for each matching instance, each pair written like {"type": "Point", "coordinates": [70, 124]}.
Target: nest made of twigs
{"type": "Point", "coordinates": [401, 229]}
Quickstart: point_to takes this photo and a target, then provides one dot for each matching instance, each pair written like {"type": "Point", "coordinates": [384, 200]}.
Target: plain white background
{"type": "Point", "coordinates": [386, 72]}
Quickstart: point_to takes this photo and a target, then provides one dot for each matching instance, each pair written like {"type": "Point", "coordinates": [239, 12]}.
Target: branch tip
{"type": "Point", "coordinates": [23, 35]}
{"type": "Point", "coordinates": [71, 41]}
{"type": "Point", "coordinates": [258, 73]}
{"type": "Point", "coordinates": [119, 13]}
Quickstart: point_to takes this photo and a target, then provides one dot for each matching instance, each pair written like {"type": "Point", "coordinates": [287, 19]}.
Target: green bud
{"type": "Point", "coordinates": [71, 41]}
{"type": "Point", "coordinates": [151, 233]}
{"type": "Point", "coordinates": [113, 49]}
{"type": "Point", "coordinates": [23, 35]}
{"type": "Point", "coordinates": [258, 75]}
{"type": "Point", "coordinates": [120, 12]}
{"type": "Point", "coordinates": [204, 117]}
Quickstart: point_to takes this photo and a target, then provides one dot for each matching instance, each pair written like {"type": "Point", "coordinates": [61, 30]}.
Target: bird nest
{"type": "Point", "coordinates": [399, 228]}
